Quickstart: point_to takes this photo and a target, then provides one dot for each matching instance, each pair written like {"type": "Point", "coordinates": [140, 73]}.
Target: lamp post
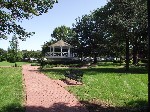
{"type": "Point", "coordinates": [148, 11]}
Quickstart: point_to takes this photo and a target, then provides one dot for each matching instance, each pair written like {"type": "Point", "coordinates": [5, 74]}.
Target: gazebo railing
{"type": "Point", "coordinates": [58, 55]}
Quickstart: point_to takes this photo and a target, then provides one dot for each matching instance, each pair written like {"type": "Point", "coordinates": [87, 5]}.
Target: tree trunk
{"type": "Point", "coordinates": [127, 54]}
{"type": "Point", "coordinates": [135, 53]}
{"type": "Point", "coordinates": [95, 58]}
{"type": "Point", "coordinates": [120, 60]}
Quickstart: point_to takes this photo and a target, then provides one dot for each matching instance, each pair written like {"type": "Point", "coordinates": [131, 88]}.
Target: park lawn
{"type": "Point", "coordinates": [54, 73]}
{"type": "Point", "coordinates": [110, 85]}
{"type": "Point", "coordinates": [11, 90]}
{"type": "Point", "coordinates": [5, 63]}
{"type": "Point", "coordinates": [117, 89]}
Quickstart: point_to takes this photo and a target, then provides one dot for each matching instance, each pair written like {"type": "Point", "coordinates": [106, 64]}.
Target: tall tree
{"type": "Point", "coordinates": [13, 49]}
{"type": "Point", "coordinates": [62, 32]}
{"type": "Point", "coordinates": [90, 36]}
{"type": "Point", "coordinates": [3, 54]}
{"type": "Point", "coordinates": [17, 10]}
{"type": "Point", "coordinates": [125, 22]}
{"type": "Point", "coordinates": [14, 44]}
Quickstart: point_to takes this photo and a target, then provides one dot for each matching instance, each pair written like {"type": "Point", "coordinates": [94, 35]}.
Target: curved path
{"type": "Point", "coordinates": [45, 95]}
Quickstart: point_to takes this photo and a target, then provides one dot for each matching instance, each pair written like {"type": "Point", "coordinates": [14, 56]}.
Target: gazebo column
{"type": "Point", "coordinates": [50, 50]}
{"type": "Point", "coordinates": [61, 50]}
{"type": "Point", "coordinates": [69, 52]}
{"type": "Point", "coordinates": [53, 50]}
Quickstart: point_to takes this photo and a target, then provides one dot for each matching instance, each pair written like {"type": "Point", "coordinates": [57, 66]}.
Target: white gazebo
{"type": "Point", "coordinates": [60, 50]}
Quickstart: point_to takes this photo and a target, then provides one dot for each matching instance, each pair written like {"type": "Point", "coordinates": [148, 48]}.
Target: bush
{"type": "Point", "coordinates": [61, 62]}
{"type": "Point", "coordinates": [49, 66]}
{"type": "Point", "coordinates": [117, 61]}
{"type": "Point", "coordinates": [144, 60]}
{"type": "Point", "coordinates": [35, 64]}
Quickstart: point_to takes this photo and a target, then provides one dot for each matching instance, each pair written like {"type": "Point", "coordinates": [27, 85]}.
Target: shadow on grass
{"type": "Point", "coordinates": [93, 71]}
{"type": "Point", "coordinates": [12, 108]}
{"type": "Point", "coordinates": [56, 107]}
{"type": "Point", "coordinates": [134, 106]}
{"type": "Point", "coordinates": [110, 64]}
{"type": "Point", "coordinates": [117, 70]}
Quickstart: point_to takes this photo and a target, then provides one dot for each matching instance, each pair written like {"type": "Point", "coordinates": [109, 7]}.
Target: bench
{"type": "Point", "coordinates": [74, 75]}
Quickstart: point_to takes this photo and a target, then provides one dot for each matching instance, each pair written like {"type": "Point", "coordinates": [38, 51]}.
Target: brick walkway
{"type": "Point", "coordinates": [45, 95]}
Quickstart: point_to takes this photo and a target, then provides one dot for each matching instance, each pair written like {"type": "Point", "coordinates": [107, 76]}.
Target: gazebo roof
{"type": "Point", "coordinates": [61, 43]}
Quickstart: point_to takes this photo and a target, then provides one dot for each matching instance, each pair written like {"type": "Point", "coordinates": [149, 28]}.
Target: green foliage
{"type": "Point", "coordinates": [49, 66]}
{"type": "Point", "coordinates": [19, 56]}
{"type": "Point", "coordinates": [74, 74]}
{"type": "Point", "coordinates": [45, 47]}
{"type": "Point", "coordinates": [12, 97]}
{"type": "Point", "coordinates": [128, 22]}
{"type": "Point", "coordinates": [31, 54]}
{"type": "Point", "coordinates": [11, 57]}
{"type": "Point", "coordinates": [113, 30]}
{"type": "Point", "coordinates": [3, 55]}
{"type": "Point", "coordinates": [144, 60]}
{"type": "Point", "coordinates": [117, 61]}
{"type": "Point", "coordinates": [12, 11]}
{"type": "Point", "coordinates": [89, 40]}
{"type": "Point", "coordinates": [13, 50]}
{"type": "Point", "coordinates": [35, 64]}
{"type": "Point", "coordinates": [64, 62]}
{"type": "Point", "coordinates": [63, 32]}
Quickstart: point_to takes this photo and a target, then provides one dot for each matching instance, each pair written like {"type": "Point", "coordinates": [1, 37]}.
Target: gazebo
{"type": "Point", "coordinates": [60, 50]}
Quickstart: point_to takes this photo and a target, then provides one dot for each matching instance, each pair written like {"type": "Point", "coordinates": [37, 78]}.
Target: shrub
{"type": "Point", "coordinates": [61, 62]}
{"type": "Point", "coordinates": [49, 66]}
{"type": "Point", "coordinates": [117, 61]}
{"type": "Point", "coordinates": [35, 64]}
{"type": "Point", "coordinates": [144, 60]}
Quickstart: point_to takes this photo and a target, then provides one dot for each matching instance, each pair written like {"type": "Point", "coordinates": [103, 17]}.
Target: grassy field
{"type": "Point", "coordinates": [5, 63]}
{"type": "Point", "coordinates": [11, 90]}
{"type": "Point", "coordinates": [110, 85]}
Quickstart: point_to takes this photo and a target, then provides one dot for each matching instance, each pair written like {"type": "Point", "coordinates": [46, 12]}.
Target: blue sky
{"type": "Point", "coordinates": [63, 13]}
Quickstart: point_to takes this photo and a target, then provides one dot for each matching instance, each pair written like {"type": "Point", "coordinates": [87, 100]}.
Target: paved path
{"type": "Point", "coordinates": [45, 95]}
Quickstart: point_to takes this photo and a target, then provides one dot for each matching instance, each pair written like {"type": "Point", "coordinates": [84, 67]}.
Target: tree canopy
{"type": "Point", "coordinates": [62, 32]}
{"type": "Point", "coordinates": [12, 11]}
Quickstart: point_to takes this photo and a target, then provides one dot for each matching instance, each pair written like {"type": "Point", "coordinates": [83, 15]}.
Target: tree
{"type": "Point", "coordinates": [83, 28]}
{"type": "Point", "coordinates": [27, 55]}
{"type": "Point", "coordinates": [17, 10]}
{"type": "Point", "coordinates": [63, 32]}
{"type": "Point", "coordinates": [119, 24]}
{"type": "Point", "coordinates": [124, 24]}
{"type": "Point", "coordinates": [45, 47]}
{"type": "Point", "coordinates": [12, 51]}
{"type": "Point", "coordinates": [90, 35]}
{"type": "Point", "coordinates": [3, 54]}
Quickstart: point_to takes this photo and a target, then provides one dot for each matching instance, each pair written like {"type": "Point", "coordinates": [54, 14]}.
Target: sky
{"type": "Point", "coordinates": [63, 13]}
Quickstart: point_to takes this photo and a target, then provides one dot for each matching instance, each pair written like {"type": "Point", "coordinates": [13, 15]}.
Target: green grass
{"type": "Point", "coordinates": [117, 89]}
{"type": "Point", "coordinates": [54, 73]}
{"type": "Point", "coordinates": [110, 84]}
{"type": "Point", "coordinates": [11, 90]}
{"type": "Point", "coordinates": [5, 63]}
